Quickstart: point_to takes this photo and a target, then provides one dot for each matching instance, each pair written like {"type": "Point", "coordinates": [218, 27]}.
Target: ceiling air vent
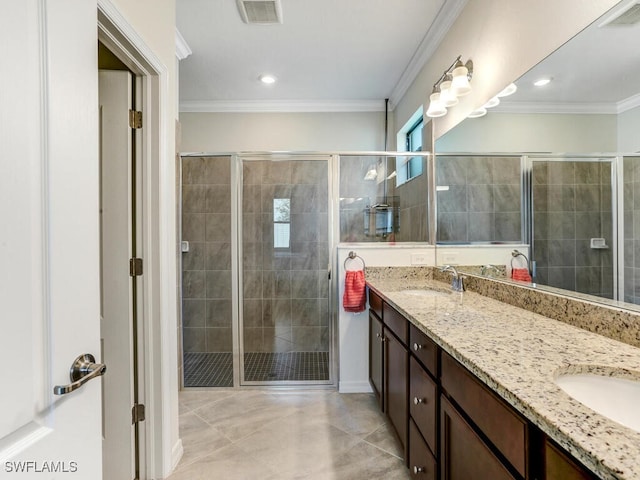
{"type": "Point", "coordinates": [629, 16]}
{"type": "Point", "coordinates": [261, 12]}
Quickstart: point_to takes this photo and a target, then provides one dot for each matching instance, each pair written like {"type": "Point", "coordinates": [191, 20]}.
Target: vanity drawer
{"type": "Point", "coordinates": [424, 349]}
{"type": "Point", "coordinates": [375, 303]}
{"type": "Point", "coordinates": [423, 403]}
{"type": "Point", "coordinates": [422, 465]}
{"type": "Point", "coordinates": [395, 322]}
{"type": "Point", "coordinates": [497, 420]}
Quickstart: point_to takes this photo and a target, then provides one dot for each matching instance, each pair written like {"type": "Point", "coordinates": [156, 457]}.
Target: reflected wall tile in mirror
{"type": "Point", "coordinates": [629, 253]}
{"type": "Point", "coordinates": [451, 171]}
{"type": "Point", "coordinates": [562, 173]}
{"type": "Point", "coordinates": [587, 198]}
{"type": "Point", "coordinates": [218, 198]}
{"type": "Point", "coordinates": [635, 253]}
{"type": "Point", "coordinates": [482, 227]}
{"type": "Point", "coordinates": [561, 198]}
{"type": "Point", "coordinates": [194, 339]}
{"type": "Point", "coordinates": [541, 252]}
{"type": "Point", "coordinates": [480, 171]}
{"type": "Point", "coordinates": [217, 170]}
{"type": "Point", "coordinates": [252, 281]}
{"type": "Point", "coordinates": [452, 227]}
{"type": "Point", "coordinates": [508, 226]}
{"type": "Point", "coordinates": [589, 279]}
{"type": "Point", "coordinates": [218, 283]}
{"type": "Point", "coordinates": [562, 253]}
{"type": "Point", "coordinates": [252, 312]}
{"type": "Point", "coordinates": [540, 173]}
{"type": "Point", "coordinates": [192, 170]}
{"type": "Point", "coordinates": [193, 284]}
{"type": "Point", "coordinates": [252, 227]}
{"type": "Point", "coordinates": [304, 284]}
{"type": "Point", "coordinates": [309, 172]}
{"type": "Point", "coordinates": [251, 255]}
{"type": "Point", "coordinates": [305, 312]}
{"type": "Point", "coordinates": [253, 173]}
{"type": "Point", "coordinates": [194, 199]}
{"type": "Point", "coordinates": [252, 199]}
{"type": "Point", "coordinates": [277, 173]}
{"type": "Point", "coordinates": [540, 198]}
{"type": "Point", "coordinates": [506, 198]}
{"type": "Point", "coordinates": [562, 277]}
{"type": "Point", "coordinates": [217, 256]}
{"type": "Point", "coordinates": [587, 256]}
{"type": "Point", "coordinates": [252, 339]}
{"type": "Point", "coordinates": [588, 224]}
{"type": "Point", "coordinates": [587, 173]}
{"type": "Point", "coordinates": [453, 200]}
{"type": "Point", "coordinates": [480, 198]}
{"type": "Point", "coordinates": [506, 170]}
{"type": "Point", "coordinates": [271, 192]}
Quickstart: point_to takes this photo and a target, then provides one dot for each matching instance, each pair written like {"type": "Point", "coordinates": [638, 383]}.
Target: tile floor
{"type": "Point", "coordinates": [284, 435]}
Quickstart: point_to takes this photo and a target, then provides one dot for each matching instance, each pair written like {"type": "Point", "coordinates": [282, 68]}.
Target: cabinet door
{"type": "Point", "coordinates": [396, 375]}
{"type": "Point", "coordinates": [376, 350]}
{"type": "Point", "coordinates": [559, 466]}
{"type": "Point", "coordinates": [463, 455]}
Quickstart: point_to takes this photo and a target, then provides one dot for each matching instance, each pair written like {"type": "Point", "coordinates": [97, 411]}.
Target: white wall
{"type": "Point", "coordinates": [235, 132]}
{"type": "Point", "coordinates": [504, 38]}
{"type": "Point", "coordinates": [539, 132]}
{"type": "Point", "coordinates": [629, 131]}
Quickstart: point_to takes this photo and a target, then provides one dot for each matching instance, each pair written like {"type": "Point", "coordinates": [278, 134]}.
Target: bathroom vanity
{"type": "Point", "coordinates": [468, 383]}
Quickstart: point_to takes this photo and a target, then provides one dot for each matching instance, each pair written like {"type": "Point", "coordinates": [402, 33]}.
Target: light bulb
{"type": "Point", "coordinates": [492, 103]}
{"type": "Point", "coordinates": [447, 97]}
{"type": "Point", "coordinates": [508, 90]}
{"type": "Point", "coordinates": [436, 108]}
{"type": "Point", "coordinates": [460, 83]}
{"type": "Point", "coordinates": [480, 112]}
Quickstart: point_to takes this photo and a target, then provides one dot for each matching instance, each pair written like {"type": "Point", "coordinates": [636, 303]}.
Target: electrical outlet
{"type": "Point", "coordinates": [449, 259]}
{"type": "Point", "coordinates": [419, 259]}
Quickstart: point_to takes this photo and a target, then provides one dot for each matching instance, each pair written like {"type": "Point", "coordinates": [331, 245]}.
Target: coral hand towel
{"type": "Point", "coordinates": [354, 298]}
{"type": "Point", "coordinates": [521, 274]}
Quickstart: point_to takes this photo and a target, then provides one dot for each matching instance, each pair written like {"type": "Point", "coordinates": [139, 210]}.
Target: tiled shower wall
{"type": "Point", "coordinates": [286, 291]}
{"type": "Point", "coordinates": [206, 267]}
{"type": "Point", "coordinates": [478, 199]}
{"type": "Point", "coordinates": [572, 204]}
{"type": "Point", "coordinates": [631, 172]}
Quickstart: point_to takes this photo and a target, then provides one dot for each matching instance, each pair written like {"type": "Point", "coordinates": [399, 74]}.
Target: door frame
{"type": "Point", "coordinates": [157, 364]}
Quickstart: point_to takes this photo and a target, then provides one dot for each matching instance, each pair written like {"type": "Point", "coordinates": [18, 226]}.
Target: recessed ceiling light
{"type": "Point", "coordinates": [266, 78]}
{"type": "Point", "coordinates": [542, 82]}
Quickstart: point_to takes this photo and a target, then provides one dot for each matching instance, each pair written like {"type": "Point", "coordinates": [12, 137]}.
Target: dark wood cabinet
{"type": "Point", "coordinates": [423, 403]}
{"type": "Point", "coordinates": [396, 362]}
{"type": "Point", "coordinates": [463, 454]}
{"type": "Point", "coordinates": [559, 466]}
{"type": "Point", "coordinates": [452, 426]}
{"type": "Point", "coordinates": [422, 464]}
{"type": "Point", "coordinates": [497, 421]}
{"type": "Point", "coordinates": [376, 358]}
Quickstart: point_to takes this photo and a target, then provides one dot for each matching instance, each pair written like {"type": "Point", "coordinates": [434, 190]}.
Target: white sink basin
{"type": "Point", "coordinates": [426, 293]}
{"type": "Point", "coordinates": [613, 397]}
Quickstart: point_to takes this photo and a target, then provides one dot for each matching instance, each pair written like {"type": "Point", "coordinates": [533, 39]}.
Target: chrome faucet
{"type": "Point", "coordinates": [457, 284]}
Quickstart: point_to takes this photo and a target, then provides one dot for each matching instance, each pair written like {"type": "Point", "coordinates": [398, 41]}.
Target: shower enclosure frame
{"type": "Point", "coordinates": [237, 162]}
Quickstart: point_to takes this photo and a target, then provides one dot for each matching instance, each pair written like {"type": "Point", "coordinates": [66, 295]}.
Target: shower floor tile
{"type": "Point", "coordinates": [216, 369]}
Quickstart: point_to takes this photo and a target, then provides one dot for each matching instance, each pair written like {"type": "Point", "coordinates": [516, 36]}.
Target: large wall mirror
{"type": "Point", "coordinates": [557, 167]}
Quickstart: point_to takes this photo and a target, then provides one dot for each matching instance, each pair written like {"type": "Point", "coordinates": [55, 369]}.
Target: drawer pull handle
{"type": "Point", "coordinates": [418, 401]}
{"type": "Point", "coordinates": [417, 347]}
{"type": "Point", "coordinates": [419, 470]}
{"type": "Point", "coordinates": [378, 335]}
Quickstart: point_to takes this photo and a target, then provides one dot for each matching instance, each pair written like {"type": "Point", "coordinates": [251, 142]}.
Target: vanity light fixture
{"type": "Point", "coordinates": [477, 113]}
{"type": "Point", "coordinates": [453, 83]}
{"type": "Point", "coordinates": [267, 78]}
{"type": "Point", "coordinates": [508, 90]}
{"type": "Point", "coordinates": [494, 102]}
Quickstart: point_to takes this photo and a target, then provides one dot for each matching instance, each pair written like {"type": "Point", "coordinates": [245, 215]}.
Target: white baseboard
{"type": "Point", "coordinates": [354, 387]}
{"type": "Point", "coordinates": [176, 454]}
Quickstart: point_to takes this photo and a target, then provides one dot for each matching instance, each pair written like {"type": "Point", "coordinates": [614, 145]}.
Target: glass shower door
{"type": "Point", "coordinates": [284, 296]}
{"type": "Point", "coordinates": [574, 242]}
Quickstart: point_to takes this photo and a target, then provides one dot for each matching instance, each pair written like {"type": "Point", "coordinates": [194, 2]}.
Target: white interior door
{"type": "Point", "coordinates": [49, 238]}
{"type": "Point", "coordinates": [115, 93]}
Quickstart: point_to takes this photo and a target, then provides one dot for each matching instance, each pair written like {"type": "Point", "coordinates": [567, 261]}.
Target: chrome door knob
{"type": "Point", "coordinates": [418, 401]}
{"type": "Point", "coordinates": [419, 470]}
{"type": "Point", "coordinates": [417, 347]}
{"type": "Point", "coordinates": [82, 370]}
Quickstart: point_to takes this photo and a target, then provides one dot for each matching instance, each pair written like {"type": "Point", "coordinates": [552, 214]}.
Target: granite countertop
{"type": "Point", "coordinates": [518, 354]}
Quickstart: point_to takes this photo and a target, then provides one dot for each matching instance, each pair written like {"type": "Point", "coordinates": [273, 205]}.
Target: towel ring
{"type": "Point", "coordinates": [516, 254]}
{"type": "Point", "coordinates": [352, 256]}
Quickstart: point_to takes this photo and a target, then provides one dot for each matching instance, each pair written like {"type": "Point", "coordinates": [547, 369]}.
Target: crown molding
{"type": "Point", "coordinates": [629, 103]}
{"type": "Point", "coordinates": [442, 23]}
{"type": "Point", "coordinates": [284, 106]}
{"type": "Point", "coordinates": [182, 48]}
{"type": "Point", "coordinates": [568, 108]}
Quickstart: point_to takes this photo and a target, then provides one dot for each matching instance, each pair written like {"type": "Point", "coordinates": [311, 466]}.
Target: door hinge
{"type": "Point", "coordinates": [137, 413]}
{"type": "Point", "coordinates": [135, 267]}
{"type": "Point", "coordinates": [135, 119]}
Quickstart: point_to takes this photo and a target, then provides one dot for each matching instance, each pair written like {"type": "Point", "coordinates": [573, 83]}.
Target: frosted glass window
{"type": "Point", "coordinates": [281, 222]}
